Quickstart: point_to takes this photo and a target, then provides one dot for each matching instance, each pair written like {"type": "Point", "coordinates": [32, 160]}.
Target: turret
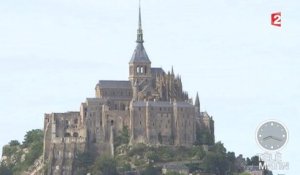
{"type": "Point", "coordinates": [197, 103]}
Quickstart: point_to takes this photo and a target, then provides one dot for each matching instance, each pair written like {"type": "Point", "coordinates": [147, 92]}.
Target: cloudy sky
{"type": "Point", "coordinates": [52, 53]}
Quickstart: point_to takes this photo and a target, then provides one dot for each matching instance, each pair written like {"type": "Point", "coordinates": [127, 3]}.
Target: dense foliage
{"type": "Point", "coordinates": [122, 137]}
{"type": "Point", "coordinates": [105, 165]}
{"type": "Point", "coordinates": [4, 170]}
{"type": "Point", "coordinates": [204, 137]}
{"type": "Point", "coordinates": [21, 156]}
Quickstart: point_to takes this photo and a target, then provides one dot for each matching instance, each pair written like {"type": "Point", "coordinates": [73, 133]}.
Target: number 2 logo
{"type": "Point", "coordinates": [276, 19]}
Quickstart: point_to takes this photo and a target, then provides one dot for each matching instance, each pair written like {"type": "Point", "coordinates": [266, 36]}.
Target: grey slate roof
{"type": "Point", "coordinates": [153, 103]}
{"type": "Point", "coordinates": [139, 55]}
{"type": "Point", "coordinates": [157, 70]}
{"type": "Point", "coordinates": [114, 84]}
{"type": "Point", "coordinates": [95, 100]}
{"type": "Point", "coordinates": [160, 103]}
{"type": "Point", "coordinates": [184, 104]}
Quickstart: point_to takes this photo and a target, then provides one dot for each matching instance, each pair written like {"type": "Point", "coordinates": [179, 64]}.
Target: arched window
{"type": "Point", "coordinates": [123, 107]}
{"type": "Point", "coordinates": [111, 122]}
{"type": "Point", "coordinates": [142, 70]}
{"type": "Point", "coordinates": [75, 134]}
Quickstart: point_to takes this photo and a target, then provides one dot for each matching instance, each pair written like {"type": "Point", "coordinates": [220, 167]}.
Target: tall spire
{"type": "Point", "coordinates": [139, 54]}
{"type": "Point", "coordinates": [140, 30]}
{"type": "Point", "coordinates": [197, 103]}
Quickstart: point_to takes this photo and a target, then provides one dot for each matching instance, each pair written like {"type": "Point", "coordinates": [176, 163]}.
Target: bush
{"type": "Point", "coordinates": [150, 170]}
{"type": "Point", "coordinates": [35, 151]}
{"type": "Point", "coordinates": [33, 142]}
{"type": "Point", "coordinates": [9, 150]}
{"type": "Point", "coordinates": [4, 170]}
{"type": "Point", "coordinates": [122, 137]}
{"type": "Point", "coordinates": [204, 138]}
{"type": "Point", "coordinates": [138, 149]}
{"type": "Point", "coordinates": [105, 165]}
{"type": "Point", "coordinates": [35, 135]}
{"type": "Point", "coordinates": [14, 143]}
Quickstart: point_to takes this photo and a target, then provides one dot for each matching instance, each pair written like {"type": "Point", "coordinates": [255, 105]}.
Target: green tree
{"type": "Point", "coordinates": [254, 160]}
{"type": "Point", "coordinates": [231, 159]}
{"type": "Point", "coordinates": [4, 170]}
{"type": "Point", "coordinates": [138, 149]}
{"type": "Point", "coordinates": [105, 165]}
{"type": "Point", "coordinates": [219, 148]}
{"type": "Point", "coordinates": [122, 137]}
{"type": "Point", "coordinates": [14, 143]}
{"type": "Point", "coordinates": [9, 150]}
{"type": "Point", "coordinates": [173, 173]}
{"type": "Point", "coordinates": [36, 150]}
{"type": "Point", "coordinates": [153, 156]}
{"type": "Point", "coordinates": [125, 167]}
{"type": "Point", "coordinates": [150, 170]}
{"type": "Point", "coordinates": [203, 137]}
{"type": "Point", "coordinates": [198, 152]}
{"type": "Point", "coordinates": [216, 161]}
{"type": "Point", "coordinates": [35, 135]}
{"type": "Point", "coordinates": [268, 172]}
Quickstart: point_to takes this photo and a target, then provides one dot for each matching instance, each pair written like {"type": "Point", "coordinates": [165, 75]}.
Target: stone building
{"type": "Point", "coordinates": [151, 104]}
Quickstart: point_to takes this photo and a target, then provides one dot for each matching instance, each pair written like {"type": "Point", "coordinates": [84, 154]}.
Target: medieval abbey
{"type": "Point", "coordinates": [151, 104]}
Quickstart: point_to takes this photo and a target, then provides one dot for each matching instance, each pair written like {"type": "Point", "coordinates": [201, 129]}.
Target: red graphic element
{"type": "Point", "coordinates": [276, 19]}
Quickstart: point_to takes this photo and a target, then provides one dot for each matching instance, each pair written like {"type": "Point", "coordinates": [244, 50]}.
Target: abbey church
{"type": "Point", "coordinates": [151, 104]}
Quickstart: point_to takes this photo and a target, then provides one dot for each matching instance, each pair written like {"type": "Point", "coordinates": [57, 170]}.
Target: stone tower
{"type": "Point", "coordinates": [139, 65]}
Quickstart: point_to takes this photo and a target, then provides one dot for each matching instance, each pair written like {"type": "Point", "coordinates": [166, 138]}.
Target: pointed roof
{"type": "Point", "coordinates": [197, 101]}
{"type": "Point", "coordinates": [139, 54]}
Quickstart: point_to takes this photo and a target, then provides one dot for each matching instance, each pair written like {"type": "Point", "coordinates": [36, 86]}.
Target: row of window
{"type": "Point", "coordinates": [115, 93]}
{"type": "Point", "coordinates": [141, 69]}
{"type": "Point", "coordinates": [167, 109]}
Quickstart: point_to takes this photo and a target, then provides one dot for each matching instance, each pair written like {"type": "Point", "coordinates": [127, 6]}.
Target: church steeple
{"type": "Point", "coordinates": [140, 54]}
{"type": "Point", "coordinates": [139, 65]}
{"type": "Point", "coordinates": [140, 30]}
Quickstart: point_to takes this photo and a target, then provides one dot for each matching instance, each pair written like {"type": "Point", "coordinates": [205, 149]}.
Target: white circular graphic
{"type": "Point", "coordinates": [272, 135]}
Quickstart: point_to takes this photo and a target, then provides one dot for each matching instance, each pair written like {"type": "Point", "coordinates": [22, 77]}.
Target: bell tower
{"type": "Point", "coordinates": [139, 65]}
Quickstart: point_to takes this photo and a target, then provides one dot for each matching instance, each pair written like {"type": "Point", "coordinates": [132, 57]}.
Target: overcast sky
{"type": "Point", "coordinates": [52, 53]}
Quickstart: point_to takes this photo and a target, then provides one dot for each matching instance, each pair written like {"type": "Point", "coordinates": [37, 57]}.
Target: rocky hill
{"type": "Point", "coordinates": [26, 159]}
